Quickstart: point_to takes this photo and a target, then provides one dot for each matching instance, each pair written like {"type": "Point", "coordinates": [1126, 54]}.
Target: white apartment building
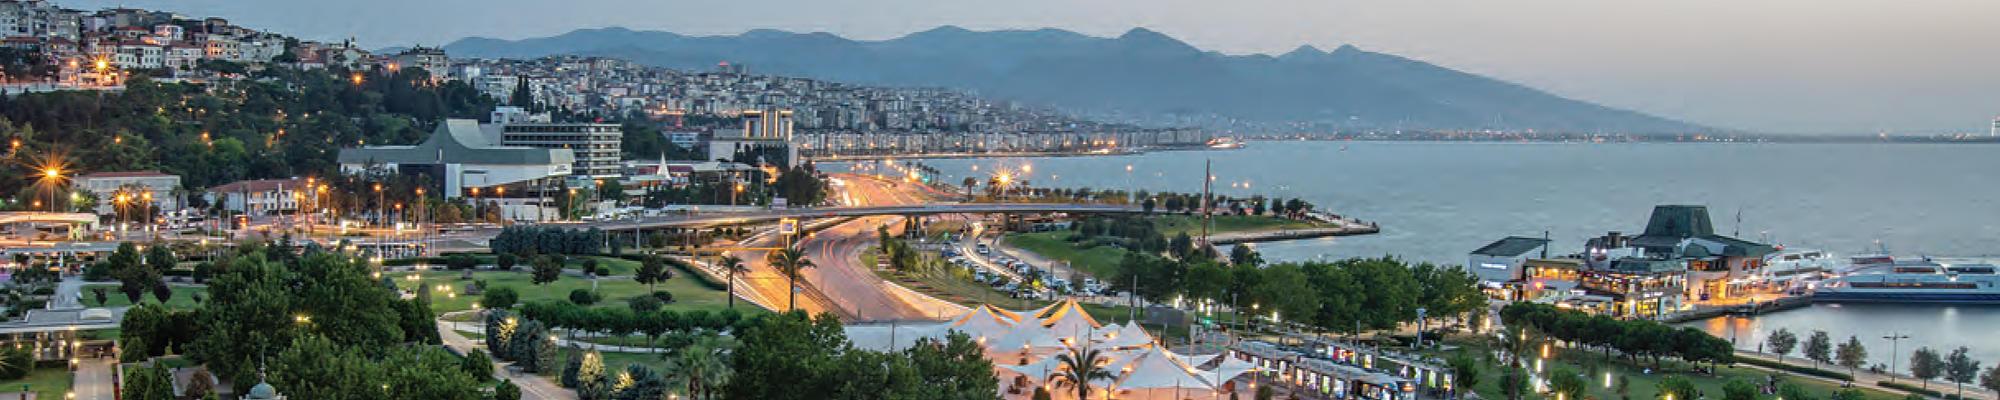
{"type": "Point", "coordinates": [160, 187]}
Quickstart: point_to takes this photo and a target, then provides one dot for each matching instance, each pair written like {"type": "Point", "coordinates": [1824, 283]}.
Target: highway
{"type": "Point", "coordinates": [837, 251]}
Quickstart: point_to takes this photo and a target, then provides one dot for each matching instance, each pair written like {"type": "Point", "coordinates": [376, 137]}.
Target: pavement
{"type": "Point", "coordinates": [1862, 377]}
{"type": "Point", "coordinates": [93, 380]}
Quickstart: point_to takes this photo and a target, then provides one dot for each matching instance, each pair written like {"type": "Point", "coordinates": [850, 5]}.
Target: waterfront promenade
{"type": "Point", "coordinates": [1863, 377]}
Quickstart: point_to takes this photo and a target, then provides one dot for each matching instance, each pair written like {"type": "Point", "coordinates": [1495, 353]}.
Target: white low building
{"type": "Point", "coordinates": [459, 156]}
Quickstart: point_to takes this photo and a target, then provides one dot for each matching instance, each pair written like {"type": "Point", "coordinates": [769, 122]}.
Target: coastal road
{"type": "Point", "coordinates": [837, 252]}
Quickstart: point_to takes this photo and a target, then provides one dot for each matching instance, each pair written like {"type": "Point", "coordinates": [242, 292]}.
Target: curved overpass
{"type": "Point", "coordinates": [839, 212]}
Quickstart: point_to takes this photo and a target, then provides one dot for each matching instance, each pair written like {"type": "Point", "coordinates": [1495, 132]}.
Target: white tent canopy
{"type": "Point", "coordinates": [984, 322]}
{"type": "Point", "coordinates": [1157, 369]}
{"type": "Point", "coordinates": [1126, 336]}
{"type": "Point", "coordinates": [1025, 335]}
{"type": "Point", "coordinates": [1229, 369]}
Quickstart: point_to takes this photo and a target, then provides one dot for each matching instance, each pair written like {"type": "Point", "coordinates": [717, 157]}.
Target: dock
{"type": "Point", "coordinates": [1748, 308]}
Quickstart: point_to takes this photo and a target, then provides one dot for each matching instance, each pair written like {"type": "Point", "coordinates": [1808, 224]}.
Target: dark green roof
{"type": "Point", "coordinates": [1511, 246]}
{"type": "Point", "coordinates": [458, 141]}
{"type": "Point", "coordinates": [1734, 247]}
{"type": "Point", "coordinates": [1679, 222]}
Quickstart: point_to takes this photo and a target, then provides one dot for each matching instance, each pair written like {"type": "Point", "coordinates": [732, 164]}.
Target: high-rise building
{"type": "Point", "coordinates": [1995, 132]}
{"type": "Point", "coordinates": [596, 145]}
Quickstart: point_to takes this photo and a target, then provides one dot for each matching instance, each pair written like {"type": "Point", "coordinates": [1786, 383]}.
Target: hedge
{"type": "Point", "coordinates": [688, 270]}
{"type": "Point", "coordinates": [1795, 368]}
{"type": "Point", "coordinates": [1910, 388]}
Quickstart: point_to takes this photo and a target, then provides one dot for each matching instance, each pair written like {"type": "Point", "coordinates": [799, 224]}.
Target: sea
{"type": "Point", "coordinates": [1437, 201]}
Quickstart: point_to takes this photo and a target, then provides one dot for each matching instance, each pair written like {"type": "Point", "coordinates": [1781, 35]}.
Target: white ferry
{"type": "Point", "coordinates": [1913, 281]}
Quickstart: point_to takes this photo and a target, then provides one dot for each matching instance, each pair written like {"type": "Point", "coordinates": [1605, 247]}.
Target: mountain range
{"type": "Point", "coordinates": [1141, 74]}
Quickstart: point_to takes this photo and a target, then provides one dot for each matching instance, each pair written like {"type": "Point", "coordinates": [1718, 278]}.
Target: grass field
{"type": "Point", "coordinates": [183, 298]}
{"type": "Point", "coordinates": [1171, 225]}
{"type": "Point", "coordinates": [1100, 261]}
{"type": "Point", "coordinates": [46, 383]}
{"type": "Point", "coordinates": [688, 293]}
{"type": "Point", "coordinates": [1639, 384]}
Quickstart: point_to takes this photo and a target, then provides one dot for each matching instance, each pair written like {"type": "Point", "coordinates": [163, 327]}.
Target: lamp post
{"type": "Point", "coordinates": [1894, 339]}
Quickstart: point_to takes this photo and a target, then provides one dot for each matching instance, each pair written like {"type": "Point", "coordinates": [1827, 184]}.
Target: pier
{"type": "Point", "coordinates": [1746, 308]}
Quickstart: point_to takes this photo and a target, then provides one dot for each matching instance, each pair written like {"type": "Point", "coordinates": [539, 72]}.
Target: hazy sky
{"type": "Point", "coordinates": [1784, 66]}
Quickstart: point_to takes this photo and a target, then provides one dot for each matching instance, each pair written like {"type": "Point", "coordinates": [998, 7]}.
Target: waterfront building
{"type": "Point", "coordinates": [1717, 265]}
{"type": "Point", "coordinates": [459, 157]}
{"type": "Point", "coordinates": [1501, 260]}
{"type": "Point", "coordinates": [158, 188]}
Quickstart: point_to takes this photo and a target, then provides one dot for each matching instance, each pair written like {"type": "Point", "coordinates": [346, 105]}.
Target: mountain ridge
{"type": "Point", "coordinates": [1141, 72]}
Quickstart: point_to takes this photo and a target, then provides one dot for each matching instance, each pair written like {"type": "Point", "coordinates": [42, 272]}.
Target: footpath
{"type": "Point", "coordinates": [1871, 380]}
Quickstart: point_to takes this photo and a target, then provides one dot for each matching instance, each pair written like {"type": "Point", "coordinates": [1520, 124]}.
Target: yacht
{"type": "Point", "coordinates": [1225, 143]}
{"type": "Point", "coordinates": [1913, 281]}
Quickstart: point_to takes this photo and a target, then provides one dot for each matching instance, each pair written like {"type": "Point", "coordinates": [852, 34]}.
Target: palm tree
{"type": "Point", "coordinates": [732, 265]}
{"type": "Point", "coordinates": [701, 368]}
{"type": "Point", "coordinates": [789, 262]}
{"type": "Point", "coordinates": [1079, 367]}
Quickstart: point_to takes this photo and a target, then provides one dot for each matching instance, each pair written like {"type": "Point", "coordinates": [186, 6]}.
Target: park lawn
{"type": "Point", "coordinates": [1642, 385]}
{"type": "Point", "coordinates": [1100, 261]}
{"type": "Point", "coordinates": [613, 362]}
{"type": "Point", "coordinates": [46, 383]}
{"type": "Point", "coordinates": [1171, 225]}
{"type": "Point", "coordinates": [618, 266]}
{"type": "Point", "coordinates": [688, 293]}
{"type": "Point", "coordinates": [183, 298]}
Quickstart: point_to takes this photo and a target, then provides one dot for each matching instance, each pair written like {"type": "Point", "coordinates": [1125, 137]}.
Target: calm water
{"type": "Point", "coordinates": [1438, 201]}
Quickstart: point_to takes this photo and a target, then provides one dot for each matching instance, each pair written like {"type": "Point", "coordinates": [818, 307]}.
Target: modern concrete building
{"type": "Point", "coordinates": [766, 137]}
{"type": "Point", "coordinates": [460, 155]}
{"type": "Point", "coordinates": [1501, 260]}
{"type": "Point", "coordinates": [596, 147]}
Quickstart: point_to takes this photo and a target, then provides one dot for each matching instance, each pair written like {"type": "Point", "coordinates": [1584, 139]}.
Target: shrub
{"type": "Point", "coordinates": [460, 261]}
{"type": "Point", "coordinates": [663, 296]}
{"type": "Point", "coordinates": [582, 297]}
{"type": "Point", "coordinates": [590, 266]}
{"type": "Point", "coordinates": [500, 297]}
{"type": "Point", "coordinates": [506, 261]}
{"type": "Point", "coordinates": [478, 364]}
{"type": "Point", "coordinates": [644, 304]}
{"type": "Point", "coordinates": [1796, 368]}
{"type": "Point", "coordinates": [1912, 389]}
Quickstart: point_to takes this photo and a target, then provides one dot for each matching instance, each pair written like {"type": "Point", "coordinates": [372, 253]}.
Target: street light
{"type": "Point", "coordinates": [1894, 339]}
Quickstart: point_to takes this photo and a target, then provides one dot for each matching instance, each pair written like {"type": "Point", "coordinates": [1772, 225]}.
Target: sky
{"type": "Point", "coordinates": [1769, 66]}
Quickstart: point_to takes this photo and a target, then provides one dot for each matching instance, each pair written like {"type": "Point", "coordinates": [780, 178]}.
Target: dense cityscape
{"type": "Point", "coordinates": [195, 209]}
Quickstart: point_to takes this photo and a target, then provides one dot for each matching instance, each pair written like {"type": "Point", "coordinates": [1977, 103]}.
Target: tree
{"type": "Point", "coordinates": [1926, 364]}
{"type": "Point", "coordinates": [506, 261]}
{"type": "Point", "coordinates": [15, 362]}
{"type": "Point", "coordinates": [478, 364]}
{"type": "Point", "coordinates": [1991, 379]}
{"type": "Point", "coordinates": [162, 292]}
{"type": "Point", "coordinates": [1464, 373]}
{"type": "Point", "coordinates": [201, 384]}
{"type": "Point", "coordinates": [1960, 368]}
{"type": "Point", "coordinates": [590, 379]}
{"type": "Point", "coordinates": [1244, 255]}
{"type": "Point", "coordinates": [1677, 387]}
{"type": "Point", "coordinates": [1819, 348]}
{"type": "Point", "coordinates": [789, 262]}
{"type": "Point", "coordinates": [731, 265]}
{"type": "Point", "coordinates": [1851, 354]}
{"type": "Point", "coordinates": [1080, 367]}
{"type": "Point", "coordinates": [149, 383]}
{"type": "Point", "coordinates": [547, 269]}
{"type": "Point", "coordinates": [582, 297]}
{"type": "Point", "coordinates": [499, 298]}
{"type": "Point", "coordinates": [651, 270]}
{"type": "Point", "coordinates": [954, 367]}
{"type": "Point", "coordinates": [1790, 390]}
{"type": "Point", "coordinates": [783, 357]}
{"type": "Point", "coordinates": [1515, 382]}
{"type": "Point", "coordinates": [702, 367]}
{"type": "Point", "coordinates": [506, 391]}
{"type": "Point", "coordinates": [1781, 342]}
{"type": "Point", "coordinates": [1737, 389]}
{"type": "Point", "coordinates": [1567, 384]}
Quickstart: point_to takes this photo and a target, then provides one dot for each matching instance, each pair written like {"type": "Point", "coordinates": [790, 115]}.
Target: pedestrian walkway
{"type": "Point", "coordinates": [94, 379]}
{"type": "Point", "coordinates": [1863, 377]}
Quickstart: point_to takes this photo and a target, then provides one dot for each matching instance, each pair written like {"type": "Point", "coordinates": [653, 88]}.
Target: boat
{"type": "Point", "coordinates": [1913, 281]}
{"type": "Point", "coordinates": [1225, 143]}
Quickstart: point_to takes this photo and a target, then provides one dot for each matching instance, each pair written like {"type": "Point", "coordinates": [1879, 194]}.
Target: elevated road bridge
{"type": "Point", "coordinates": [704, 221]}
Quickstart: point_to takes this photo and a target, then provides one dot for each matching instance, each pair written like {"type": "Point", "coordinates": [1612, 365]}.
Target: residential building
{"type": "Point", "coordinates": [431, 59]}
{"type": "Point", "coordinates": [596, 146]}
{"type": "Point", "coordinates": [260, 197]}
{"type": "Point", "coordinates": [160, 189]}
{"type": "Point", "coordinates": [766, 139]}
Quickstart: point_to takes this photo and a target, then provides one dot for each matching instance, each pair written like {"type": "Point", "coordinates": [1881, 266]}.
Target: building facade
{"type": "Point", "coordinates": [159, 189]}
